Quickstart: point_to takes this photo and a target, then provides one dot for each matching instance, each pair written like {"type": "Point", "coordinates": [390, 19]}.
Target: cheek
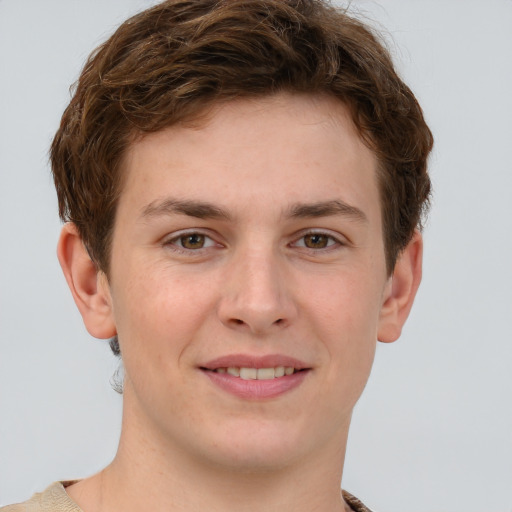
{"type": "Point", "coordinates": [158, 315]}
{"type": "Point", "coordinates": [347, 305]}
{"type": "Point", "coordinates": [346, 320]}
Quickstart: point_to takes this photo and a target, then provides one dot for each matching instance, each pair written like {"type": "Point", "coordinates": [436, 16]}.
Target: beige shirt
{"type": "Point", "coordinates": [56, 499]}
{"type": "Point", "coordinates": [53, 499]}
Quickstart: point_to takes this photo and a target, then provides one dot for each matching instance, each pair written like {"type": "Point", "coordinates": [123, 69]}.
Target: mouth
{"type": "Point", "coordinates": [256, 377]}
{"type": "Point", "coordinates": [250, 373]}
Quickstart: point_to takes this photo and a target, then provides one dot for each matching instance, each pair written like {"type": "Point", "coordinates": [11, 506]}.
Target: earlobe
{"type": "Point", "coordinates": [88, 285]}
{"type": "Point", "coordinates": [401, 290]}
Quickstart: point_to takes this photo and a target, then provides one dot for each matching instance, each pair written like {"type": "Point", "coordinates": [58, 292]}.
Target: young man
{"type": "Point", "coordinates": [243, 183]}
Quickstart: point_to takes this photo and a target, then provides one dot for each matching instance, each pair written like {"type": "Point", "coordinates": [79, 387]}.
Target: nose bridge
{"type": "Point", "coordinates": [261, 276]}
{"type": "Point", "coordinates": [256, 295]}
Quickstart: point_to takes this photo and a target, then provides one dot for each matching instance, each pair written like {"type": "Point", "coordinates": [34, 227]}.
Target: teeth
{"type": "Point", "coordinates": [234, 371]}
{"type": "Point", "coordinates": [265, 373]}
{"type": "Point", "coordinates": [257, 373]}
{"type": "Point", "coordinates": [248, 373]}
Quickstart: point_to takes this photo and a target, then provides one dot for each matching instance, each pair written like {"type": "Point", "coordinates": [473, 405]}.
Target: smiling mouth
{"type": "Point", "coordinates": [245, 373]}
{"type": "Point", "coordinates": [256, 378]}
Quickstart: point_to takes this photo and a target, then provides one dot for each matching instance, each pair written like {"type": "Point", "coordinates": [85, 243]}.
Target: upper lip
{"type": "Point", "coordinates": [251, 361]}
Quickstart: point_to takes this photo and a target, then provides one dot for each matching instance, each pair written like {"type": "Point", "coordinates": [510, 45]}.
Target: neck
{"type": "Point", "coordinates": [148, 473]}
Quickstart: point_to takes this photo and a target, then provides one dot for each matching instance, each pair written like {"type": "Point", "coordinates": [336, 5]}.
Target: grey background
{"type": "Point", "coordinates": [433, 431]}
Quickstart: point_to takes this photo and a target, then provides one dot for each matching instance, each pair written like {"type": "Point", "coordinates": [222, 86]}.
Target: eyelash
{"type": "Point", "coordinates": [177, 239]}
{"type": "Point", "coordinates": [332, 241]}
{"type": "Point", "coordinates": [176, 242]}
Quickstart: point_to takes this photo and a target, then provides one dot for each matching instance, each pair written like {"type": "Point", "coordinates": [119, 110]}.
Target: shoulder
{"type": "Point", "coordinates": [53, 499]}
{"type": "Point", "coordinates": [355, 504]}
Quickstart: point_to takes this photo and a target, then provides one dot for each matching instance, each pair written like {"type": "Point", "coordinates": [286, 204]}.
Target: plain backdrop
{"type": "Point", "coordinates": [433, 431]}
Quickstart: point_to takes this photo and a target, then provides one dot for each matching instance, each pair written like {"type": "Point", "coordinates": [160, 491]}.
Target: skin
{"type": "Point", "coordinates": [260, 284]}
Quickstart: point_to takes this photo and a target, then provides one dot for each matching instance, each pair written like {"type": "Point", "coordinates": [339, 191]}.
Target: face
{"type": "Point", "coordinates": [248, 280]}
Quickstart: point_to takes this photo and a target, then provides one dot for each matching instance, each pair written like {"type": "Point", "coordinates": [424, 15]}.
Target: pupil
{"type": "Point", "coordinates": [194, 241]}
{"type": "Point", "coordinates": [316, 241]}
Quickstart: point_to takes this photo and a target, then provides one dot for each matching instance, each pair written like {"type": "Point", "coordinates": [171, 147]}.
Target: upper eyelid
{"type": "Point", "coordinates": [175, 235]}
{"type": "Point", "coordinates": [338, 237]}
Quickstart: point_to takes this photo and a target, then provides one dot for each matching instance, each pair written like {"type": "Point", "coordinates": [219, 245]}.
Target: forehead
{"type": "Point", "coordinates": [292, 148]}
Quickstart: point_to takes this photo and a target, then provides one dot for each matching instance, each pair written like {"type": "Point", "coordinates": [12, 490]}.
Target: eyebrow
{"type": "Point", "coordinates": [205, 210]}
{"type": "Point", "coordinates": [198, 209]}
{"type": "Point", "coordinates": [326, 209]}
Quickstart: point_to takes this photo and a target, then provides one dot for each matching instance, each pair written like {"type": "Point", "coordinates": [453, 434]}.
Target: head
{"type": "Point", "coordinates": [245, 176]}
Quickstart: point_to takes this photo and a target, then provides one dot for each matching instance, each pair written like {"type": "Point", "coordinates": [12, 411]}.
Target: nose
{"type": "Point", "coordinates": [256, 294]}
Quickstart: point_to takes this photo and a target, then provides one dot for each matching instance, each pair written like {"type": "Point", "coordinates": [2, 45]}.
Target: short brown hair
{"type": "Point", "coordinates": [170, 62]}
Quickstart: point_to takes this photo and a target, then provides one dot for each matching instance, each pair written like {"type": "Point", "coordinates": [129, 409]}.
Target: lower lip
{"type": "Point", "coordinates": [256, 389]}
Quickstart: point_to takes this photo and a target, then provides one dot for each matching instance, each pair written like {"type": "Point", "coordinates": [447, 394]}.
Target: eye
{"type": "Point", "coordinates": [191, 241]}
{"type": "Point", "coordinates": [316, 241]}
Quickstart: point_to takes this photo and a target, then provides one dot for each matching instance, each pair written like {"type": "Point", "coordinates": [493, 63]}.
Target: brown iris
{"type": "Point", "coordinates": [193, 241]}
{"type": "Point", "coordinates": [316, 241]}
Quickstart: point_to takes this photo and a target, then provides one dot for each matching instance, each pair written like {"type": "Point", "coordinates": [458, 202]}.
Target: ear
{"type": "Point", "coordinates": [400, 290]}
{"type": "Point", "coordinates": [88, 285]}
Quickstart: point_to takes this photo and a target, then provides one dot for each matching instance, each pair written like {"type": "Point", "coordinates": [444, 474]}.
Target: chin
{"type": "Point", "coordinates": [259, 447]}
{"type": "Point", "coordinates": [255, 459]}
